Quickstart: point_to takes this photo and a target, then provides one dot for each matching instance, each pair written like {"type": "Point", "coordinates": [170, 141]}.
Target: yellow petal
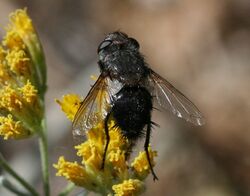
{"type": "Point", "coordinates": [69, 105]}
{"type": "Point", "coordinates": [21, 22]}
{"type": "Point", "coordinates": [12, 39]}
{"type": "Point", "coordinates": [9, 99]}
{"type": "Point", "coordinates": [29, 93]}
{"type": "Point", "coordinates": [4, 72]}
{"type": "Point", "coordinates": [117, 159]}
{"type": "Point", "coordinates": [18, 62]}
{"type": "Point", "coordinates": [131, 187]}
{"type": "Point", "coordinates": [11, 129]}
{"type": "Point", "coordinates": [141, 165]}
{"type": "Point", "coordinates": [92, 156]}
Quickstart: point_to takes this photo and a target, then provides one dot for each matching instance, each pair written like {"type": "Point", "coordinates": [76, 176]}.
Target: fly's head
{"type": "Point", "coordinates": [114, 45]}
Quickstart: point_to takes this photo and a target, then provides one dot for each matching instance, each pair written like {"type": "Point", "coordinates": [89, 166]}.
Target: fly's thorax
{"type": "Point", "coordinates": [125, 66]}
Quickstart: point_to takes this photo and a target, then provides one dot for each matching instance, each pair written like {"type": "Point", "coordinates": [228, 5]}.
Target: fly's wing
{"type": "Point", "coordinates": [168, 97]}
{"type": "Point", "coordinates": [94, 108]}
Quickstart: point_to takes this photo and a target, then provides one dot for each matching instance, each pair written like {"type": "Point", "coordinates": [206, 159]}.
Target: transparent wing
{"type": "Point", "coordinates": [94, 108]}
{"type": "Point", "coordinates": [168, 97]}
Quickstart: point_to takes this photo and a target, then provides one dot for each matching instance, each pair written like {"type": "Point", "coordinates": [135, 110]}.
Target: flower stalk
{"type": "Point", "coordinates": [8, 169]}
{"type": "Point", "coordinates": [43, 146]}
{"type": "Point", "coordinates": [10, 187]}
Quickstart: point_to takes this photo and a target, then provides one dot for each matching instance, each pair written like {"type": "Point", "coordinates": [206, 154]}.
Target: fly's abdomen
{"type": "Point", "coordinates": [132, 110]}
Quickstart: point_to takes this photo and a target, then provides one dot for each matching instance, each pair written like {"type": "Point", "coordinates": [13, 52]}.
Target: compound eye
{"type": "Point", "coordinates": [134, 43]}
{"type": "Point", "coordinates": [103, 45]}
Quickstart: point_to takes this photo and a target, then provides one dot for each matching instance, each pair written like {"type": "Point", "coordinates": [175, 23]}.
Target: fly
{"type": "Point", "coordinates": [125, 90]}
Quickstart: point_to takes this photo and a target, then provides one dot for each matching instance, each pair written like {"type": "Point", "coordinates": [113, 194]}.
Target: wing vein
{"type": "Point", "coordinates": [168, 97]}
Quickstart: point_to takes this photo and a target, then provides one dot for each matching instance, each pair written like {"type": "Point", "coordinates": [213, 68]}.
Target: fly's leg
{"type": "Point", "coordinates": [146, 144]}
{"type": "Point", "coordinates": [107, 139]}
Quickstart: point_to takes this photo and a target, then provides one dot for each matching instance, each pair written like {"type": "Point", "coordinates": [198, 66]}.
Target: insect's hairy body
{"type": "Point", "coordinates": [125, 90]}
{"type": "Point", "coordinates": [122, 61]}
{"type": "Point", "coordinates": [132, 111]}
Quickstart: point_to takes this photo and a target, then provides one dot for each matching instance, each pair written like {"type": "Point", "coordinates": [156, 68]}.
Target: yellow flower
{"type": "Point", "coordinates": [118, 177]}
{"type": "Point", "coordinates": [4, 74]}
{"type": "Point", "coordinates": [131, 187]}
{"type": "Point", "coordinates": [22, 90]}
{"type": "Point", "coordinates": [21, 23]}
{"type": "Point", "coordinates": [140, 163]}
{"type": "Point", "coordinates": [21, 35]}
{"type": "Point", "coordinates": [13, 40]}
{"type": "Point", "coordinates": [9, 99]}
{"type": "Point", "coordinates": [117, 140]}
{"type": "Point", "coordinates": [70, 104]}
{"type": "Point", "coordinates": [91, 155]}
{"type": "Point", "coordinates": [118, 160]}
{"type": "Point", "coordinates": [18, 61]}
{"type": "Point", "coordinates": [2, 54]}
{"type": "Point", "coordinates": [73, 172]}
{"type": "Point", "coordinates": [29, 93]}
{"type": "Point", "coordinates": [12, 129]}
{"type": "Point", "coordinates": [22, 79]}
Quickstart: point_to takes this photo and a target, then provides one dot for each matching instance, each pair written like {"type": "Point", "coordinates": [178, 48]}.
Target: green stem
{"type": "Point", "coordinates": [8, 169]}
{"type": "Point", "coordinates": [83, 193]}
{"type": "Point", "coordinates": [67, 189]}
{"type": "Point", "coordinates": [10, 187]}
{"type": "Point", "coordinates": [43, 145]}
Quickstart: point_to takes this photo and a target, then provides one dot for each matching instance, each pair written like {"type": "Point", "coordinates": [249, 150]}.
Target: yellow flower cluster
{"type": "Point", "coordinates": [22, 78]}
{"type": "Point", "coordinates": [12, 129]}
{"type": "Point", "coordinates": [140, 163]}
{"type": "Point", "coordinates": [118, 176]}
{"type": "Point", "coordinates": [129, 187]}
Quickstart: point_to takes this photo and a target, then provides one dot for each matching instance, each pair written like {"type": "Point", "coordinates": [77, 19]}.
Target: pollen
{"type": "Point", "coordinates": [117, 158]}
{"type": "Point", "coordinates": [84, 150]}
{"type": "Point", "coordinates": [140, 163]}
{"type": "Point", "coordinates": [2, 53]}
{"type": "Point", "coordinates": [18, 61]}
{"type": "Point", "coordinates": [72, 171]}
{"type": "Point", "coordinates": [29, 92]}
{"type": "Point", "coordinates": [93, 77]}
{"type": "Point", "coordinates": [96, 136]}
{"type": "Point", "coordinates": [92, 156]}
{"type": "Point", "coordinates": [131, 187]}
{"type": "Point", "coordinates": [11, 129]}
{"type": "Point", "coordinates": [117, 140]}
{"type": "Point", "coordinates": [91, 150]}
{"type": "Point", "coordinates": [9, 99]}
{"type": "Point", "coordinates": [69, 105]}
{"type": "Point", "coordinates": [21, 23]}
{"type": "Point", "coordinates": [12, 39]}
{"type": "Point", "coordinates": [4, 73]}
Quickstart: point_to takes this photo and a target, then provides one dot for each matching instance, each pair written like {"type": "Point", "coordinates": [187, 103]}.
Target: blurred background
{"type": "Point", "coordinates": [202, 47]}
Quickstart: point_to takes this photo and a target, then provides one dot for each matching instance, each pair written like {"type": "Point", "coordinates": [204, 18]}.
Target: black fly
{"type": "Point", "coordinates": [125, 90]}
